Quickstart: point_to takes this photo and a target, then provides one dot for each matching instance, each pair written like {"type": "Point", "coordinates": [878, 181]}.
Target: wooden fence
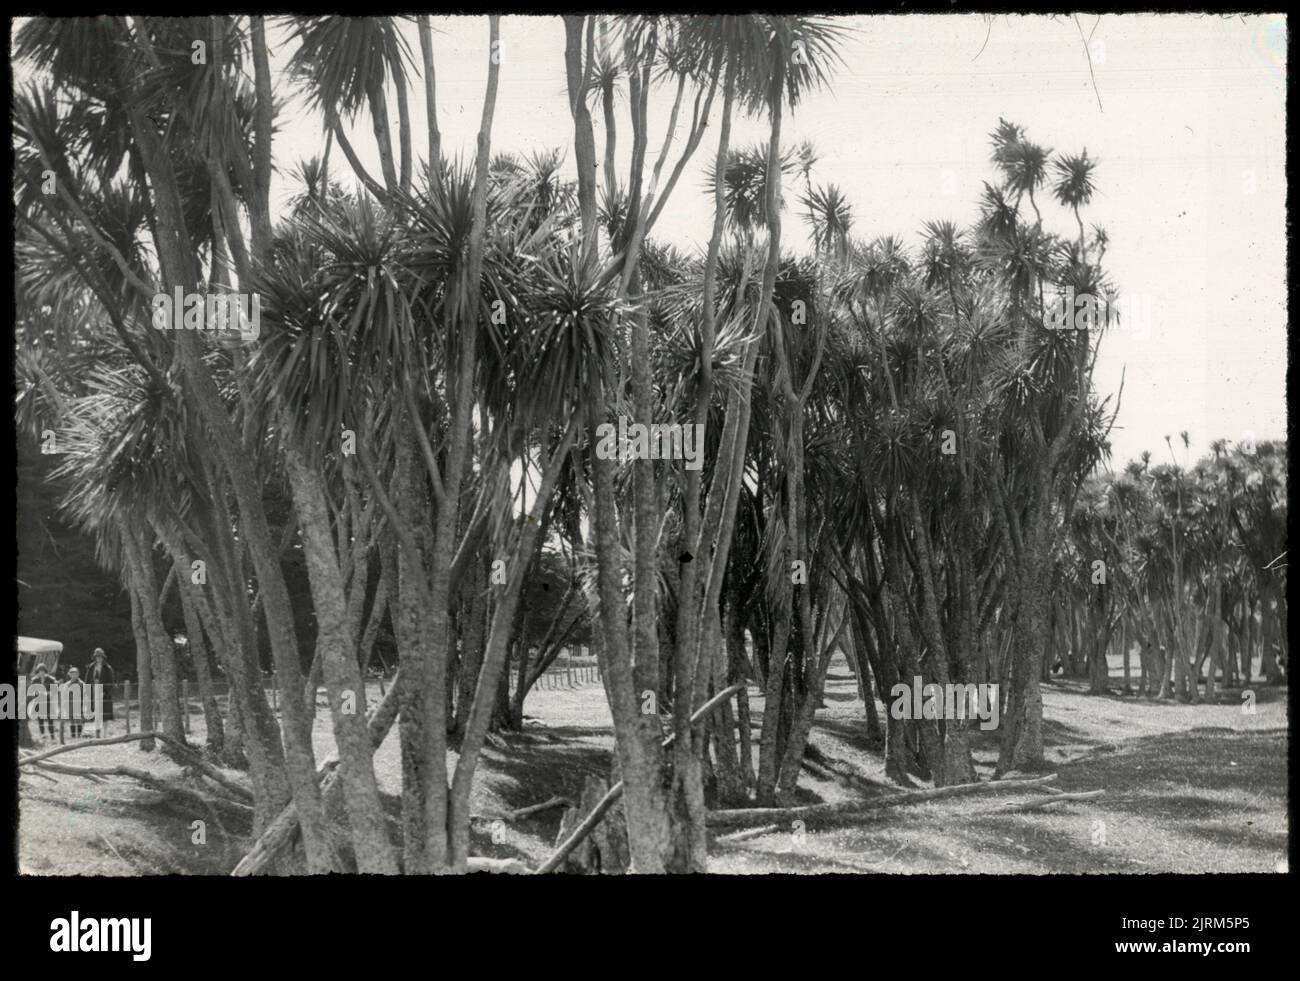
{"type": "Point", "coordinates": [562, 676]}
{"type": "Point", "coordinates": [570, 676]}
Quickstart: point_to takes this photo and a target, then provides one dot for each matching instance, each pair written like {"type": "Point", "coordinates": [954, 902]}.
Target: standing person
{"type": "Point", "coordinates": [75, 699]}
{"type": "Point", "coordinates": [100, 673]}
{"type": "Point", "coordinates": [42, 684]}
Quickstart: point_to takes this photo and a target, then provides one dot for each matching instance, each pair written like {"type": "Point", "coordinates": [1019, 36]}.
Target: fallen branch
{"type": "Point", "coordinates": [208, 770]}
{"type": "Point", "coordinates": [523, 812]}
{"type": "Point", "coordinates": [106, 741]}
{"type": "Point", "coordinates": [854, 809]}
{"type": "Point", "coordinates": [75, 771]}
{"type": "Point", "coordinates": [1040, 802]}
{"type": "Point", "coordinates": [816, 769]}
{"type": "Point", "coordinates": [825, 770]}
{"type": "Point", "coordinates": [615, 792]}
{"type": "Point", "coordinates": [152, 782]}
{"type": "Point", "coordinates": [739, 836]}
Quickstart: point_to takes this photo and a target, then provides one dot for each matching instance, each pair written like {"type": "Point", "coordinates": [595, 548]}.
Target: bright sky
{"type": "Point", "coordinates": [1190, 135]}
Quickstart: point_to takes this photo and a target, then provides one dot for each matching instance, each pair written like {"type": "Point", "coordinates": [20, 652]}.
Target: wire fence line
{"type": "Point", "coordinates": [563, 676]}
{"type": "Point", "coordinates": [125, 701]}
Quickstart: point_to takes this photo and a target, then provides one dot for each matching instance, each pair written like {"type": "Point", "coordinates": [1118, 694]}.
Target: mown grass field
{"type": "Point", "coordinates": [1187, 789]}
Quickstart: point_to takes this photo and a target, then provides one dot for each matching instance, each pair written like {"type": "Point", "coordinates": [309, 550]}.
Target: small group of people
{"type": "Point", "coordinates": [73, 690]}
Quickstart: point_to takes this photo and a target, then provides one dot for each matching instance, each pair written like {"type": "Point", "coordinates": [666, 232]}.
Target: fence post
{"type": "Point", "coordinates": [382, 692]}
{"type": "Point", "coordinates": [126, 704]}
{"type": "Point", "coordinates": [185, 703]}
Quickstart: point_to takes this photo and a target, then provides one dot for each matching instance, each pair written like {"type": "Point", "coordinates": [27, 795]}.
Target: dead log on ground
{"type": "Point", "coordinates": [850, 810]}
{"type": "Point", "coordinates": [739, 836]}
{"type": "Point", "coordinates": [153, 782]}
{"type": "Point", "coordinates": [236, 790]}
{"type": "Point", "coordinates": [1038, 803]}
{"type": "Point", "coordinates": [523, 812]}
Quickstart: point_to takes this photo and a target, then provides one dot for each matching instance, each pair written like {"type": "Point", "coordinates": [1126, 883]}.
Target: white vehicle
{"type": "Point", "coordinates": [33, 651]}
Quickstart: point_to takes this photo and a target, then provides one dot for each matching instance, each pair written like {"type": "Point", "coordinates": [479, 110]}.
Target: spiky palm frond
{"type": "Point", "coordinates": [744, 180]}
{"type": "Point", "coordinates": [1074, 186]}
{"type": "Point", "coordinates": [830, 215]}
{"type": "Point", "coordinates": [343, 60]}
{"type": "Point", "coordinates": [340, 310]}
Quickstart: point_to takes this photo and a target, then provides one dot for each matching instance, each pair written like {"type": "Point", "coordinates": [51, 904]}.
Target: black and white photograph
{"type": "Point", "coordinates": [605, 443]}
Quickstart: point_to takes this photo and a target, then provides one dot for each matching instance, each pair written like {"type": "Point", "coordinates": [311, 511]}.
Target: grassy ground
{"type": "Point", "coordinates": [1187, 789]}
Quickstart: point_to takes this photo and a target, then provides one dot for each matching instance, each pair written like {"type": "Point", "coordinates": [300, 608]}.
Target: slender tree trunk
{"type": "Point", "coordinates": [342, 673]}
{"type": "Point", "coordinates": [1125, 640]}
{"type": "Point", "coordinates": [1247, 641]}
{"type": "Point", "coordinates": [430, 99]}
{"type": "Point", "coordinates": [424, 766]}
{"type": "Point", "coordinates": [403, 137]}
{"type": "Point", "coordinates": [163, 657]}
{"type": "Point", "coordinates": [259, 198]}
{"type": "Point", "coordinates": [472, 652]}
{"type": "Point", "coordinates": [226, 617]}
{"type": "Point", "coordinates": [143, 661]}
{"type": "Point", "coordinates": [213, 725]}
{"type": "Point", "coordinates": [1022, 743]}
{"type": "Point", "coordinates": [383, 134]}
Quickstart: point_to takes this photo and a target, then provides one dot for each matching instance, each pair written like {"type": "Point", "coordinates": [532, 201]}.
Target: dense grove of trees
{"type": "Point", "coordinates": [893, 437]}
{"type": "Point", "coordinates": [1192, 572]}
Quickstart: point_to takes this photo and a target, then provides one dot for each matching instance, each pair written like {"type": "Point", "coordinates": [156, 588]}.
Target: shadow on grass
{"type": "Point", "coordinates": [1208, 798]}
{"type": "Point", "coordinates": [1265, 693]}
{"type": "Point", "coordinates": [1181, 776]}
{"type": "Point", "coordinates": [1209, 784]}
{"type": "Point", "coordinates": [840, 696]}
